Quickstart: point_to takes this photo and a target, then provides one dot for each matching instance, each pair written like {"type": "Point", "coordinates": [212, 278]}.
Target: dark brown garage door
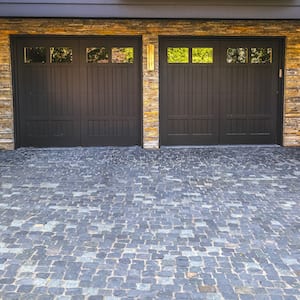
{"type": "Point", "coordinates": [78, 91]}
{"type": "Point", "coordinates": [215, 91]}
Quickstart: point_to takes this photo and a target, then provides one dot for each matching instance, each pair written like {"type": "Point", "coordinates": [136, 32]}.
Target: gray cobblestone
{"type": "Point", "coordinates": [124, 223]}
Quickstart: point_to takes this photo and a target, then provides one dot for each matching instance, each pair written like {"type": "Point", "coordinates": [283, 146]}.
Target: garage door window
{"type": "Point", "coordinates": [122, 55]}
{"type": "Point", "coordinates": [202, 55]}
{"type": "Point", "coordinates": [261, 55]}
{"type": "Point", "coordinates": [34, 55]}
{"type": "Point", "coordinates": [237, 55]}
{"type": "Point", "coordinates": [61, 55]}
{"type": "Point", "coordinates": [97, 55]}
{"type": "Point", "coordinates": [178, 55]}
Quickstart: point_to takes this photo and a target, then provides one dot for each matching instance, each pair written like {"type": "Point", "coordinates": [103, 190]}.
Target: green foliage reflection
{"type": "Point", "coordinates": [97, 55]}
{"type": "Point", "coordinates": [61, 55]}
{"type": "Point", "coordinates": [202, 55]}
{"type": "Point", "coordinates": [237, 55]}
{"type": "Point", "coordinates": [178, 55]}
{"type": "Point", "coordinates": [261, 55]}
{"type": "Point", "coordinates": [122, 55]}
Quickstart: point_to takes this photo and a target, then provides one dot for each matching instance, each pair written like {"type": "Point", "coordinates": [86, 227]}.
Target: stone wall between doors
{"type": "Point", "coordinates": [150, 30]}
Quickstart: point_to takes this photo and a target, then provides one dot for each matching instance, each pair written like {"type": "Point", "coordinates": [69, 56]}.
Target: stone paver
{"type": "Point", "coordinates": [126, 223]}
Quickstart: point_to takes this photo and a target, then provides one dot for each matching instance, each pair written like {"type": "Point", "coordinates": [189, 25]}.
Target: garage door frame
{"type": "Point", "coordinates": [14, 69]}
{"type": "Point", "coordinates": [281, 63]}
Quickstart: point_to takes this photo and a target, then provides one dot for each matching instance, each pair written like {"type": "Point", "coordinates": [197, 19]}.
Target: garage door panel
{"type": "Point", "coordinates": [187, 93]}
{"type": "Point", "coordinates": [61, 93]}
{"type": "Point", "coordinates": [202, 88]}
{"type": "Point", "coordinates": [262, 92]}
{"type": "Point", "coordinates": [47, 103]}
{"type": "Point", "coordinates": [176, 140]}
{"type": "Point", "coordinates": [249, 110]}
{"type": "Point", "coordinates": [35, 99]}
{"type": "Point", "coordinates": [232, 98]}
{"type": "Point", "coordinates": [112, 106]}
{"type": "Point", "coordinates": [48, 92]}
{"type": "Point", "coordinates": [177, 89]}
{"type": "Point", "coordinates": [55, 128]}
{"type": "Point", "coordinates": [75, 95]}
{"type": "Point", "coordinates": [184, 125]}
{"type": "Point", "coordinates": [97, 91]}
{"type": "Point", "coordinates": [235, 90]}
{"type": "Point", "coordinates": [248, 130]}
{"type": "Point", "coordinates": [110, 127]}
{"type": "Point", "coordinates": [113, 95]}
{"type": "Point", "coordinates": [111, 132]}
{"type": "Point", "coordinates": [233, 104]}
{"type": "Point", "coordinates": [261, 126]}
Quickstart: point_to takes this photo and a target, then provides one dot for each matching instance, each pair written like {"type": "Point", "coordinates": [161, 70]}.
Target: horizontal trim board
{"type": "Point", "coordinates": [148, 11]}
{"type": "Point", "coordinates": [162, 2]}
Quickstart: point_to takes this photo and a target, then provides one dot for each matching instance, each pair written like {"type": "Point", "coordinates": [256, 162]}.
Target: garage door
{"type": "Point", "coordinates": [215, 91]}
{"type": "Point", "coordinates": [78, 91]}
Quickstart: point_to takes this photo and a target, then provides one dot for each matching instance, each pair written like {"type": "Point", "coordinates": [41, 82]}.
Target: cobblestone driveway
{"type": "Point", "coordinates": [126, 223]}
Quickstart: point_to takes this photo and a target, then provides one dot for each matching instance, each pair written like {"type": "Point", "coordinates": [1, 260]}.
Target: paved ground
{"type": "Point", "coordinates": [108, 223]}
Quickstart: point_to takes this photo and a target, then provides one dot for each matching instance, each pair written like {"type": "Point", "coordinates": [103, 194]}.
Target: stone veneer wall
{"type": "Point", "coordinates": [150, 30]}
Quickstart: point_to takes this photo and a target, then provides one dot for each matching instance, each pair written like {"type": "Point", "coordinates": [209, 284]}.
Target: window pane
{"type": "Point", "coordinates": [261, 55]}
{"type": "Point", "coordinates": [61, 55]}
{"type": "Point", "coordinates": [97, 55]}
{"type": "Point", "coordinates": [122, 55]}
{"type": "Point", "coordinates": [202, 55]}
{"type": "Point", "coordinates": [178, 55]}
{"type": "Point", "coordinates": [34, 55]}
{"type": "Point", "coordinates": [237, 55]}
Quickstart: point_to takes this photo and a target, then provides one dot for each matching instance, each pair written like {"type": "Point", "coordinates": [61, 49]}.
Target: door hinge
{"type": "Point", "coordinates": [280, 73]}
